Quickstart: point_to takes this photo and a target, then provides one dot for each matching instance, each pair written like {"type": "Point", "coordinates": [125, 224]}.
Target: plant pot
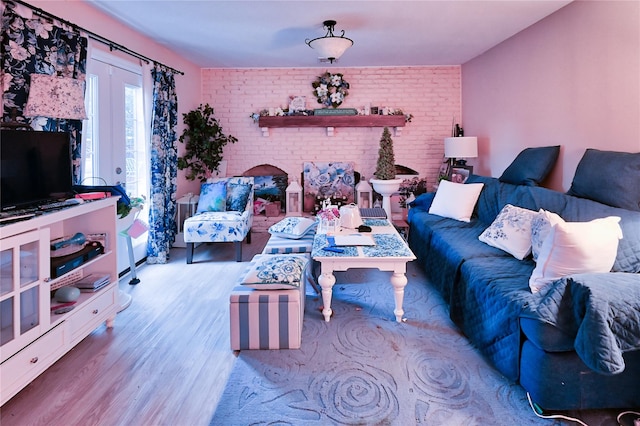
{"type": "Point", "coordinates": [386, 188]}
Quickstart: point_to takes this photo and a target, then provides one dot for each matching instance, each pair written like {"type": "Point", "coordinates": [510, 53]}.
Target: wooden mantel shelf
{"type": "Point", "coordinates": [331, 121]}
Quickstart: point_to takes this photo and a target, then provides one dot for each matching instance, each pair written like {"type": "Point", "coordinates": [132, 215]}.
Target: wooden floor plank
{"type": "Point", "coordinates": [167, 360]}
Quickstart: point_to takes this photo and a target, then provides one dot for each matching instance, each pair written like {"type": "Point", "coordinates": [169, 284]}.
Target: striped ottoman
{"type": "Point", "coordinates": [280, 245]}
{"type": "Point", "coordinates": [267, 319]}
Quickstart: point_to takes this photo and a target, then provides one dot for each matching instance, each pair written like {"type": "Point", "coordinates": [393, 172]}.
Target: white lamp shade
{"type": "Point", "coordinates": [461, 147]}
{"type": "Point", "coordinates": [330, 47]}
{"type": "Point", "coordinates": [55, 97]}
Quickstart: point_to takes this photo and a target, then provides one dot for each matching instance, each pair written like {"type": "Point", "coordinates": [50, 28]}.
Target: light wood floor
{"type": "Point", "coordinates": [166, 361]}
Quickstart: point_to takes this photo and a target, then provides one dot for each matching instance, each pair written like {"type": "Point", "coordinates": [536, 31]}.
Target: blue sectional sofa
{"type": "Point", "coordinates": [575, 345]}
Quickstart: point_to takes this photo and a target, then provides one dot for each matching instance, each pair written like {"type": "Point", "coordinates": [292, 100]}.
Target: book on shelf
{"type": "Point", "coordinates": [93, 282]}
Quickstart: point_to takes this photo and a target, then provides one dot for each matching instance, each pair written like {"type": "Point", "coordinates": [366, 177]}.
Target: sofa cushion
{"type": "Point", "coordinates": [546, 336]}
{"type": "Point", "coordinates": [423, 200]}
{"type": "Point", "coordinates": [275, 272]}
{"type": "Point", "coordinates": [511, 231]}
{"type": "Point", "coordinates": [608, 177]}
{"type": "Point", "coordinates": [292, 227]}
{"type": "Point", "coordinates": [576, 247]}
{"type": "Point", "coordinates": [531, 166]}
{"type": "Point", "coordinates": [237, 196]}
{"type": "Point", "coordinates": [455, 200]}
{"type": "Point", "coordinates": [213, 197]}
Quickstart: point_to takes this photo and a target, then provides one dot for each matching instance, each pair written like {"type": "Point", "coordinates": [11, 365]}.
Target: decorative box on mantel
{"type": "Point", "coordinates": [332, 121]}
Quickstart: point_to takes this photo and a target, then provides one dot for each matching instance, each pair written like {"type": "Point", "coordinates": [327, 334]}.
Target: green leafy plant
{"type": "Point", "coordinates": [386, 165]}
{"type": "Point", "coordinates": [123, 210]}
{"type": "Point", "coordinates": [204, 143]}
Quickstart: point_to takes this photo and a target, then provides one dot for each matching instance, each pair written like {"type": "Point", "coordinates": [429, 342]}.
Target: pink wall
{"type": "Point", "coordinates": [431, 94]}
{"type": "Point", "coordinates": [572, 79]}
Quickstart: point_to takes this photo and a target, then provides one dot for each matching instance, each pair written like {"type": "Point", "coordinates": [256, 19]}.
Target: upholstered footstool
{"type": "Point", "coordinates": [294, 235]}
{"type": "Point", "coordinates": [267, 307]}
{"type": "Point", "coordinates": [282, 245]}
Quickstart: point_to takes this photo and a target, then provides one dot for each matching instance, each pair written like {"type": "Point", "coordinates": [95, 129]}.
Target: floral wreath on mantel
{"type": "Point", "coordinates": [330, 89]}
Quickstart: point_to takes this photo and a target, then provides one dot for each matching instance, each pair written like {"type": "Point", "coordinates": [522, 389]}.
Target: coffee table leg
{"type": "Point", "coordinates": [326, 281]}
{"type": "Point", "coordinates": [399, 282]}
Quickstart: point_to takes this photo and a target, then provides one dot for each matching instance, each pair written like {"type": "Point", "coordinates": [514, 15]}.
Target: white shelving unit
{"type": "Point", "coordinates": [32, 337]}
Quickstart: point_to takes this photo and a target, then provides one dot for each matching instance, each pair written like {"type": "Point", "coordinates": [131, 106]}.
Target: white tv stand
{"type": "Point", "coordinates": [32, 337]}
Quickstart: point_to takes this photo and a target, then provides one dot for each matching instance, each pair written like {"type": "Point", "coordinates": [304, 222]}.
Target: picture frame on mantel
{"type": "Point", "coordinates": [460, 174]}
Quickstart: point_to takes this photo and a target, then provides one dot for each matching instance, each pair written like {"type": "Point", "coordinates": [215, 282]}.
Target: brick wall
{"type": "Point", "coordinates": [431, 94]}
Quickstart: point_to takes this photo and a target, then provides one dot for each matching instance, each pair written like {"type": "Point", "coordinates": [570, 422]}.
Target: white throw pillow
{"type": "Point", "coordinates": [540, 227]}
{"type": "Point", "coordinates": [292, 227]}
{"type": "Point", "coordinates": [511, 231]}
{"type": "Point", "coordinates": [576, 248]}
{"type": "Point", "coordinates": [456, 200]}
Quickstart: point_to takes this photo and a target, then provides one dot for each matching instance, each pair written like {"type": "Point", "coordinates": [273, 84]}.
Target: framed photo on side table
{"type": "Point", "coordinates": [460, 174]}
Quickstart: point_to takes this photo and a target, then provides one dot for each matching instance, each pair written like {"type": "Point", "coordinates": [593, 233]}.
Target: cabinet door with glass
{"type": "Point", "coordinates": [24, 290]}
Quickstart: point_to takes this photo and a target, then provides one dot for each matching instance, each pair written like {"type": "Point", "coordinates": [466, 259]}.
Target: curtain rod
{"type": "Point", "coordinates": [112, 45]}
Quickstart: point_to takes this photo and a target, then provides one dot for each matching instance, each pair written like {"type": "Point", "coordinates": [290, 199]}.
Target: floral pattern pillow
{"type": "Point", "coordinates": [511, 231]}
{"type": "Point", "coordinates": [213, 197]}
{"type": "Point", "coordinates": [540, 228]}
{"type": "Point", "coordinates": [275, 272]}
{"type": "Point", "coordinates": [292, 227]}
{"type": "Point", "coordinates": [237, 196]}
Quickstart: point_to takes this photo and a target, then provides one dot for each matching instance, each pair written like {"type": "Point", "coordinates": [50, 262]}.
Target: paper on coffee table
{"type": "Point", "coordinates": [354, 240]}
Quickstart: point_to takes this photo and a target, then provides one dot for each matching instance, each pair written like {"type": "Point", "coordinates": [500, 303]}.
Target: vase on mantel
{"type": "Point", "coordinates": [386, 188]}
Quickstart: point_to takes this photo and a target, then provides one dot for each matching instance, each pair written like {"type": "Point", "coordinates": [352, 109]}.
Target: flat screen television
{"type": "Point", "coordinates": [35, 168]}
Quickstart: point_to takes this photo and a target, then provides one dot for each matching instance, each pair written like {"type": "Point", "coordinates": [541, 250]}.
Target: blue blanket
{"type": "Point", "coordinates": [487, 289]}
{"type": "Point", "coordinates": [601, 310]}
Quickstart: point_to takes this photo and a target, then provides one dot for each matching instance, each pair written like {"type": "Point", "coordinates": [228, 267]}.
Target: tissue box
{"type": "Point", "coordinates": [266, 319]}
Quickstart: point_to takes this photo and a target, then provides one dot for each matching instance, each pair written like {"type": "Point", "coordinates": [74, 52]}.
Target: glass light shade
{"type": "Point", "coordinates": [461, 147]}
{"type": "Point", "coordinates": [330, 47]}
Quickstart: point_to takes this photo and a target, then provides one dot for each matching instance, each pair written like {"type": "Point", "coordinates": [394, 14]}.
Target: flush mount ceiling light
{"type": "Point", "coordinates": [330, 46]}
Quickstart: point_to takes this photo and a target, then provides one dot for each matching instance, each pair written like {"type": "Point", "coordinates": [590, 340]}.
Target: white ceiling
{"type": "Point", "coordinates": [266, 34]}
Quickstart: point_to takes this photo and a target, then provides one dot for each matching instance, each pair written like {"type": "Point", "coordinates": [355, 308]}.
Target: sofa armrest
{"type": "Point", "coordinates": [423, 201]}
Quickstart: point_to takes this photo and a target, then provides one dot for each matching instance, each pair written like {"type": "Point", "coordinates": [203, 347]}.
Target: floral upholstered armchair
{"type": "Point", "coordinates": [224, 214]}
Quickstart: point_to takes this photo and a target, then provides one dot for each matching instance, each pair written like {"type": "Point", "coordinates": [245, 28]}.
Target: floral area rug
{"type": "Point", "coordinates": [363, 368]}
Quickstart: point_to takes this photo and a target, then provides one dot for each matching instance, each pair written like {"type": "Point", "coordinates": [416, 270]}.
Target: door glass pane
{"type": "Point", "coordinates": [90, 154]}
{"type": "Point", "coordinates": [28, 263]}
{"type": "Point", "coordinates": [6, 271]}
{"type": "Point", "coordinates": [135, 146]}
{"type": "Point", "coordinates": [6, 321]}
{"type": "Point", "coordinates": [29, 309]}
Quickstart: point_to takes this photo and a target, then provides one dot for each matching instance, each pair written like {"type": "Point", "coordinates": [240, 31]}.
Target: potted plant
{"type": "Point", "coordinates": [385, 182]}
{"type": "Point", "coordinates": [204, 143]}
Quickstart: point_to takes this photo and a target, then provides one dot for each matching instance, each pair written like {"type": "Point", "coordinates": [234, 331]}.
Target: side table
{"type": "Point", "coordinates": [185, 208]}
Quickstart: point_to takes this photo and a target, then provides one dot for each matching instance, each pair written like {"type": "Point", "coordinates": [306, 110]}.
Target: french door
{"type": "Point", "coordinates": [115, 148]}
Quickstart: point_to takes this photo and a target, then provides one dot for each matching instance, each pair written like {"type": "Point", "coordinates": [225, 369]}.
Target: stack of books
{"type": "Point", "coordinates": [92, 282]}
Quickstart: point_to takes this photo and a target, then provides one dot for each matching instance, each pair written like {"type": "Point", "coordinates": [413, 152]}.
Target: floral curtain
{"type": "Point", "coordinates": [38, 46]}
{"type": "Point", "coordinates": [164, 166]}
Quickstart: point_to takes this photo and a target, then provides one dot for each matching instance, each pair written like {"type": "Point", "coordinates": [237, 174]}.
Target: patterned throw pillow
{"type": "Point", "coordinates": [511, 231]}
{"type": "Point", "coordinates": [213, 197]}
{"type": "Point", "coordinates": [292, 227]}
{"type": "Point", "coordinates": [275, 272]}
{"type": "Point", "coordinates": [540, 227]}
{"type": "Point", "coordinates": [237, 196]}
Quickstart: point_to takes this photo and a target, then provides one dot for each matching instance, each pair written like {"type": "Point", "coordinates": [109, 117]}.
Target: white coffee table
{"type": "Point", "coordinates": [391, 253]}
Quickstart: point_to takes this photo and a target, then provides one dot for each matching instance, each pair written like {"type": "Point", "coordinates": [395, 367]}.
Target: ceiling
{"type": "Point", "coordinates": [267, 34]}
